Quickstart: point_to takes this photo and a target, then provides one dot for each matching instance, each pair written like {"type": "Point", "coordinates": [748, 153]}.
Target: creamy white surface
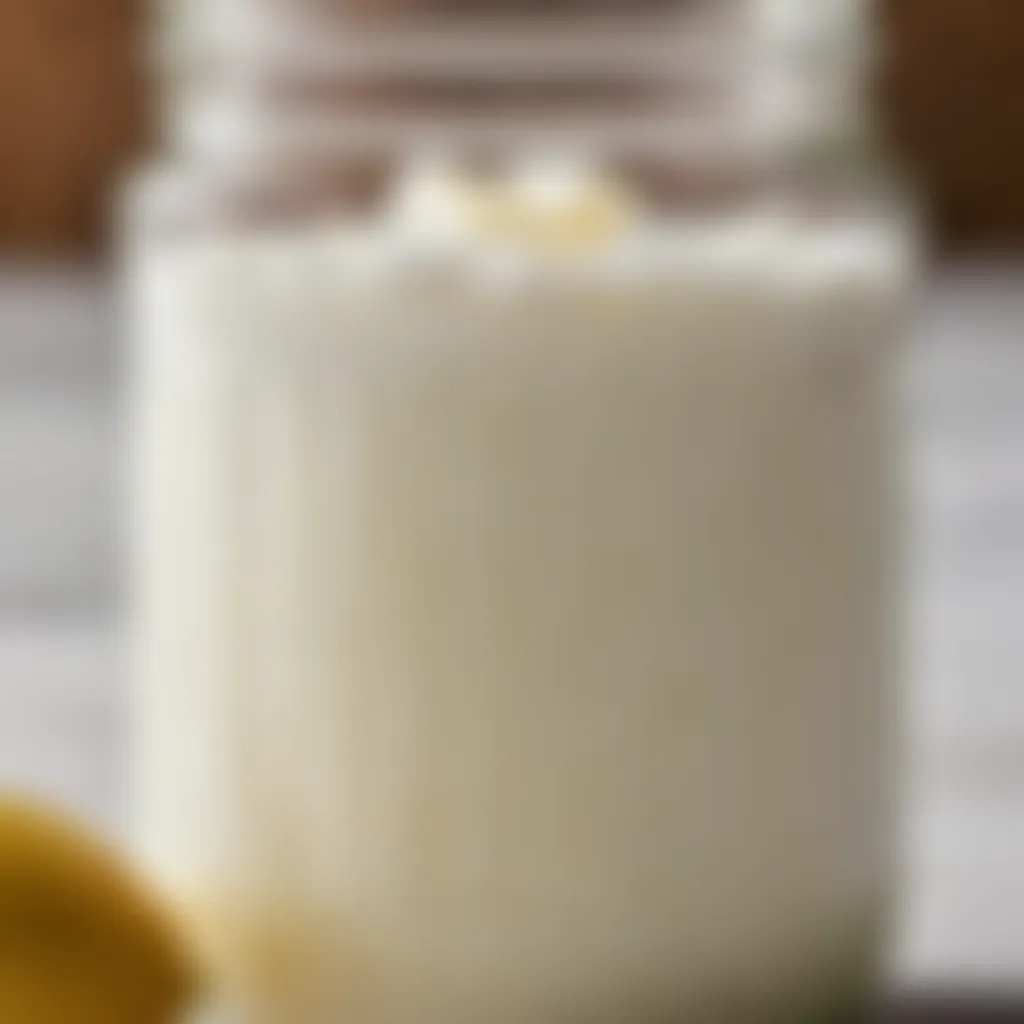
{"type": "Point", "coordinates": [514, 633]}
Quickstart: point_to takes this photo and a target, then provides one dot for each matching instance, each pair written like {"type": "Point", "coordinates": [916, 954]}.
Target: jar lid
{"type": "Point", "coordinates": [699, 98]}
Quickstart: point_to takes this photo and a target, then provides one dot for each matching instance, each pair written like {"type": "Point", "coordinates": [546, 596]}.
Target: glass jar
{"type": "Point", "coordinates": [515, 570]}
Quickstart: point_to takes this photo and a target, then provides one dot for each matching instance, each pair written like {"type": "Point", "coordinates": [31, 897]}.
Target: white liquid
{"type": "Point", "coordinates": [510, 653]}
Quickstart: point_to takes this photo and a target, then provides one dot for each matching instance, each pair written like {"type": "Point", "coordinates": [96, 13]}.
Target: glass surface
{"type": "Point", "coordinates": [516, 519]}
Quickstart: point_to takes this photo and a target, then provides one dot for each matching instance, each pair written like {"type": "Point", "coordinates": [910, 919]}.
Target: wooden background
{"type": "Point", "coordinates": [954, 96]}
{"type": "Point", "coordinates": [72, 111]}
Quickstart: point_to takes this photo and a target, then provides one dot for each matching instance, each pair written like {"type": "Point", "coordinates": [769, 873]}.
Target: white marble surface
{"type": "Point", "coordinates": [62, 678]}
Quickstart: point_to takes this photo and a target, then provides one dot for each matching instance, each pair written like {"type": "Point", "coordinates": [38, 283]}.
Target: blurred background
{"type": "Point", "coordinates": [73, 113]}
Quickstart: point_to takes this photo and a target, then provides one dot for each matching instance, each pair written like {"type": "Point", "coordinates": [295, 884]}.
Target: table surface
{"type": "Point", "coordinates": [62, 707]}
{"type": "Point", "coordinates": [953, 1011]}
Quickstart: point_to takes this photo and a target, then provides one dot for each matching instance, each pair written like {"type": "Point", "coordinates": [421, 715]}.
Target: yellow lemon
{"type": "Point", "coordinates": [81, 940]}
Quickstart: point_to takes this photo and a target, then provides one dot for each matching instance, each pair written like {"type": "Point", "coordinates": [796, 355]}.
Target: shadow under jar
{"type": "Point", "coordinates": [515, 521]}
